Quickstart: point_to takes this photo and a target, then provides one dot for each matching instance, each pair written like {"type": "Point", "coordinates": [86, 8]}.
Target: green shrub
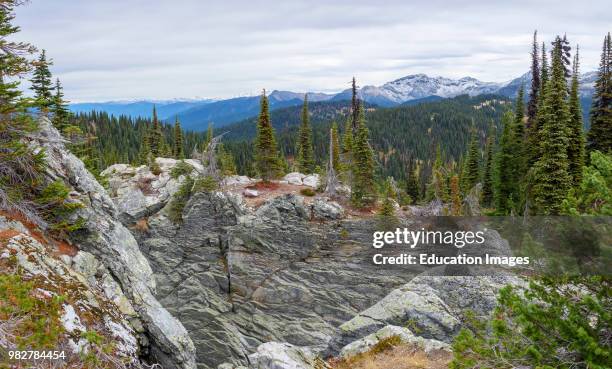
{"type": "Point", "coordinates": [181, 169]}
{"type": "Point", "coordinates": [39, 325]}
{"type": "Point", "coordinates": [57, 208]}
{"type": "Point", "coordinates": [308, 192]}
{"type": "Point", "coordinates": [179, 200]}
{"type": "Point", "coordinates": [205, 184]}
{"type": "Point", "coordinates": [557, 323]}
{"type": "Point", "coordinates": [386, 344]}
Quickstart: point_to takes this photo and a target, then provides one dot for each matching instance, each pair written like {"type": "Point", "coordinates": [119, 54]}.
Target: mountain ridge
{"type": "Point", "coordinates": [197, 114]}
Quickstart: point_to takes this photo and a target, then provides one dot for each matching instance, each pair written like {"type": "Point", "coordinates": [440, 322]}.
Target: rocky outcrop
{"type": "Point", "coordinates": [142, 192]}
{"type": "Point", "coordinates": [404, 334]}
{"type": "Point", "coordinates": [104, 237]}
{"type": "Point", "coordinates": [288, 271]}
{"type": "Point", "coordinates": [274, 355]}
{"type": "Point", "coordinates": [297, 272]}
{"type": "Point", "coordinates": [433, 306]}
{"type": "Point", "coordinates": [91, 302]}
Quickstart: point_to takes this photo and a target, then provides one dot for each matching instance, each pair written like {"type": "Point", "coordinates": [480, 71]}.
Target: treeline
{"type": "Point", "coordinates": [397, 134]}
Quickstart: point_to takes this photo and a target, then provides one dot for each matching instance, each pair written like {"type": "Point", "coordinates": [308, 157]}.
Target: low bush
{"type": "Point", "coordinates": [308, 192]}
{"type": "Point", "coordinates": [559, 323]}
{"type": "Point", "coordinates": [179, 200]}
{"type": "Point", "coordinates": [205, 184]}
{"type": "Point", "coordinates": [181, 169]}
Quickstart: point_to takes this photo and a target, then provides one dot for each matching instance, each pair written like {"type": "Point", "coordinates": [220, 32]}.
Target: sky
{"type": "Point", "coordinates": [107, 50]}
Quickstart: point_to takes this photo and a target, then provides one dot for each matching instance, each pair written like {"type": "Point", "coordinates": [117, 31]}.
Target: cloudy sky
{"type": "Point", "coordinates": [161, 49]}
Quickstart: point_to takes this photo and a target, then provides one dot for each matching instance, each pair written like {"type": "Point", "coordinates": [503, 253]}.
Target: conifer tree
{"type": "Point", "coordinates": [347, 149]}
{"type": "Point", "coordinates": [488, 180]}
{"type": "Point", "coordinates": [600, 134]}
{"type": "Point", "coordinates": [505, 185]}
{"type": "Point", "coordinates": [471, 167]}
{"type": "Point", "coordinates": [412, 182]}
{"type": "Point", "coordinates": [532, 106]}
{"type": "Point", "coordinates": [386, 213]}
{"type": "Point", "coordinates": [518, 135]}
{"type": "Point", "coordinates": [455, 196]}
{"type": "Point", "coordinates": [267, 160]}
{"type": "Point", "coordinates": [436, 188]}
{"type": "Point", "coordinates": [59, 108]}
{"type": "Point", "coordinates": [551, 177]}
{"type": "Point", "coordinates": [575, 149]}
{"type": "Point", "coordinates": [155, 136]}
{"type": "Point", "coordinates": [41, 83]}
{"type": "Point", "coordinates": [209, 136]}
{"type": "Point", "coordinates": [363, 189]}
{"type": "Point", "coordinates": [305, 159]}
{"type": "Point", "coordinates": [335, 147]}
{"type": "Point", "coordinates": [354, 106]}
{"type": "Point", "coordinates": [227, 166]}
{"type": "Point", "coordinates": [179, 152]}
{"type": "Point", "coordinates": [145, 148]}
{"type": "Point", "coordinates": [533, 149]}
{"type": "Point", "coordinates": [20, 167]}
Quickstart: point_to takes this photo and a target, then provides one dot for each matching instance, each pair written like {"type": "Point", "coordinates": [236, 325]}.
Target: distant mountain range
{"type": "Point", "coordinates": [196, 114]}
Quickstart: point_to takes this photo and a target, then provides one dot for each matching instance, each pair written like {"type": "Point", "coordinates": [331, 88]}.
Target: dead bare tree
{"type": "Point", "coordinates": [209, 158]}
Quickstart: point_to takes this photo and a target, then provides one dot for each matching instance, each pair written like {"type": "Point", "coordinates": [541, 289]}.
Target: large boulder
{"type": "Point", "coordinates": [275, 355]}
{"type": "Point", "coordinates": [432, 305]}
{"type": "Point", "coordinates": [114, 246]}
{"type": "Point", "coordinates": [404, 334]}
{"type": "Point", "coordinates": [294, 178]}
{"type": "Point", "coordinates": [312, 180]}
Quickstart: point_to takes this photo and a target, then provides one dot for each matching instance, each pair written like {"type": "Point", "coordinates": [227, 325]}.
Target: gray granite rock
{"type": "Point", "coordinates": [405, 335]}
{"type": "Point", "coordinates": [114, 246]}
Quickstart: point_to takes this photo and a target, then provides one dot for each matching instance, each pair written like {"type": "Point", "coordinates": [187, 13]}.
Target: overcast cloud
{"type": "Point", "coordinates": [161, 49]}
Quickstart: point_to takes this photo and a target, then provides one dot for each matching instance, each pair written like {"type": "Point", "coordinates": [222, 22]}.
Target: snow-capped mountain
{"type": "Point", "coordinates": [418, 86]}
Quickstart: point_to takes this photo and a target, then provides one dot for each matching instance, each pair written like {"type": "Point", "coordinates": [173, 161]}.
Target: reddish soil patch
{"type": "Point", "coordinates": [265, 186]}
{"type": "Point", "coordinates": [64, 248]}
{"type": "Point", "coordinates": [34, 231]}
{"type": "Point", "coordinates": [7, 234]}
{"type": "Point", "coordinates": [59, 247]}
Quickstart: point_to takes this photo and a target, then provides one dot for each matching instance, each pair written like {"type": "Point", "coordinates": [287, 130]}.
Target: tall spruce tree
{"type": "Point", "coordinates": [59, 108]}
{"type": "Point", "coordinates": [518, 135]}
{"type": "Point", "coordinates": [363, 190]}
{"type": "Point", "coordinates": [20, 167]}
{"type": "Point", "coordinates": [455, 196]}
{"type": "Point", "coordinates": [156, 144]}
{"type": "Point", "coordinates": [347, 148]}
{"type": "Point", "coordinates": [412, 182]}
{"type": "Point", "coordinates": [179, 151]}
{"type": "Point", "coordinates": [305, 159]}
{"type": "Point", "coordinates": [575, 149]}
{"type": "Point", "coordinates": [145, 148]}
{"type": "Point", "coordinates": [506, 184]}
{"type": "Point", "coordinates": [600, 134]}
{"type": "Point", "coordinates": [551, 177]}
{"type": "Point", "coordinates": [267, 160]}
{"type": "Point", "coordinates": [534, 93]}
{"type": "Point", "coordinates": [335, 154]}
{"type": "Point", "coordinates": [471, 167]}
{"type": "Point", "coordinates": [354, 106]}
{"type": "Point", "coordinates": [42, 83]}
{"type": "Point", "coordinates": [209, 136]}
{"type": "Point", "coordinates": [533, 149]}
{"type": "Point", "coordinates": [488, 180]}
